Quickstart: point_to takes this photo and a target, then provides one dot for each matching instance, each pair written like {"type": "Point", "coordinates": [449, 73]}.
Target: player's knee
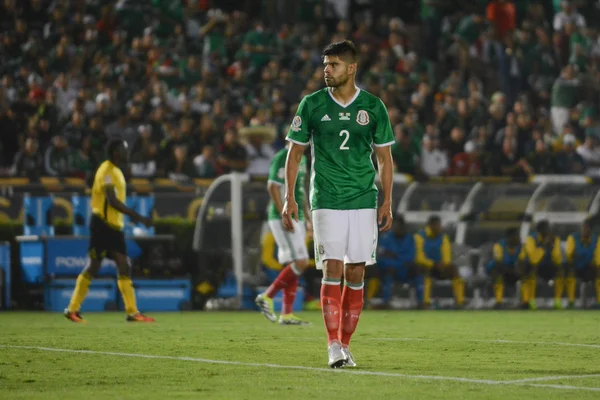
{"type": "Point", "coordinates": [301, 265]}
{"type": "Point", "coordinates": [354, 273]}
{"type": "Point", "coordinates": [92, 268]}
{"type": "Point", "coordinates": [333, 269]}
{"type": "Point", "coordinates": [124, 269]}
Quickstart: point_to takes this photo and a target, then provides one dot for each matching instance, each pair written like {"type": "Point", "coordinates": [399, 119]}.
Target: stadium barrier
{"type": "Point", "coordinates": [5, 276]}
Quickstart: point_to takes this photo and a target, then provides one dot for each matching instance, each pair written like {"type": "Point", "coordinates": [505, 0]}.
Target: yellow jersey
{"type": "Point", "coordinates": [108, 175]}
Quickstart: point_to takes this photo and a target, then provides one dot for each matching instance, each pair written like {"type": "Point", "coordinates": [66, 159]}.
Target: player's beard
{"type": "Point", "coordinates": [335, 83]}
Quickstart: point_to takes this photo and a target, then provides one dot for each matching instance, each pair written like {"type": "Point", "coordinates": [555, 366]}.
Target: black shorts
{"type": "Point", "coordinates": [586, 274]}
{"type": "Point", "coordinates": [547, 271]}
{"type": "Point", "coordinates": [105, 241]}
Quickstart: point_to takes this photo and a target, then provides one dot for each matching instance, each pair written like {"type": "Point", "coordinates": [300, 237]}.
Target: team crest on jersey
{"type": "Point", "coordinates": [344, 116]}
{"type": "Point", "coordinates": [362, 118]}
{"type": "Point", "coordinates": [296, 123]}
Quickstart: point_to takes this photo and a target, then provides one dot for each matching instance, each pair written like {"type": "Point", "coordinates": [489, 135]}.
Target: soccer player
{"type": "Point", "coordinates": [341, 123]}
{"type": "Point", "coordinates": [292, 245]}
{"type": "Point", "coordinates": [434, 253]}
{"type": "Point", "coordinates": [106, 233]}
{"type": "Point", "coordinates": [583, 259]}
{"type": "Point", "coordinates": [397, 262]}
{"type": "Point", "coordinates": [543, 257]}
{"type": "Point", "coordinates": [504, 266]}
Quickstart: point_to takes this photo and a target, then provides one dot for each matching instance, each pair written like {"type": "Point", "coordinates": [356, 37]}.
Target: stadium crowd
{"type": "Point", "coordinates": [503, 89]}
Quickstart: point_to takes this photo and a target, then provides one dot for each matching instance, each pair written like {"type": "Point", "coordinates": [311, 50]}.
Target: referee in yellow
{"type": "Point", "coordinates": [106, 233]}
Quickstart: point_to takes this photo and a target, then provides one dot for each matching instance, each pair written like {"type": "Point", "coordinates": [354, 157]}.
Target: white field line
{"type": "Point", "coordinates": [298, 367]}
{"type": "Point", "coordinates": [554, 378]}
{"type": "Point", "coordinates": [406, 339]}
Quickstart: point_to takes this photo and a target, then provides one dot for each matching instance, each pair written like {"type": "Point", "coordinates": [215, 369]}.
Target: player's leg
{"type": "Point", "coordinates": [415, 278]}
{"type": "Point", "coordinates": [427, 284]}
{"type": "Point", "coordinates": [529, 286]}
{"type": "Point", "coordinates": [496, 272]}
{"type": "Point", "coordinates": [96, 253]}
{"type": "Point", "coordinates": [596, 279]}
{"type": "Point", "coordinates": [571, 282]}
{"type": "Point", "coordinates": [330, 239]}
{"type": "Point", "coordinates": [360, 251]}
{"type": "Point", "coordinates": [81, 288]}
{"type": "Point", "coordinates": [458, 285]}
{"type": "Point", "coordinates": [558, 273]}
{"type": "Point", "coordinates": [126, 287]}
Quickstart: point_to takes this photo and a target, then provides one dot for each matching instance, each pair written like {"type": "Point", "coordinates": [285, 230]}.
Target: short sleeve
{"type": "Point", "coordinates": [383, 136]}
{"type": "Point", "coordinates": [299, 131]}
{"type": "Point", "coordinates": [107, 179]}
{"type": "Point", "coordinates": [277, 169]}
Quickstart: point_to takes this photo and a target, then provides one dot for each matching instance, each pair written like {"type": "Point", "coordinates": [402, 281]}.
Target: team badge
{"type": "Point", "coordinates": [321, 249]}
{"type": "Point", "coordinates": [296, 123]}
{"type": "Point", "coordinates": [362, 118]}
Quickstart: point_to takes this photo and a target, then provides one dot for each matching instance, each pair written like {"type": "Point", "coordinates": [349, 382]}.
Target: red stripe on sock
{"type": "Point", "coordinates": [352, 304]}
{"type": "Point", "coordinates": [289, 295]}
{"type": "Point", "coordinates": [331, 298]}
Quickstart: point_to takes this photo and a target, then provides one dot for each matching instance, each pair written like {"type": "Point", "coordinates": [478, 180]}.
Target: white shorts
{"type": "Point", "coordinates": [346, 235]}
{"type": "Point", "coordinates": [291, 245]}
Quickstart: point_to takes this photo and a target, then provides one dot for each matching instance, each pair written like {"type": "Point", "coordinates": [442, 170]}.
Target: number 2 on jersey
{"type": "Point", "coordinates": [343, 145]}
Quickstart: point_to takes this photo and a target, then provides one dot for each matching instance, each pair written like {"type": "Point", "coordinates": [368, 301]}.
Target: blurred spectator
{"type": "Point", "coordinates": [206, 163]}
{"type": "Point", "coordinates": [456, 143]}
{"type": "Point", "coordinates": [508, 163]}
{"type": "Point", "coordinates": [467, 162]}
{"type": "Point", "coordinates": [232, 155]}
{"type": "Point", "coordinates": [565, 94]}
{"type": "Point", "coordinates": [406, 152]}
{"type": "Point", "coordinates": [542, 161]}
{"type": "Point", "coordinates": [590, 153]}
{"type": "Point", "coordinates": [568, 160]}
{"type": "Point", "coordinates": [568, 14]}
{"type": "Point", "coordinates": [143, 160]}
{"type": "Point", "coordinates": [259, 155]}
{"type": "Point", "coordinates": [28, 162]}
{"type": "Point", "coordinates": [58, 160]}
{"type": "Point", "coordinates": [180, 168]}
{"type": "Point", "coordinates": [434, 162]}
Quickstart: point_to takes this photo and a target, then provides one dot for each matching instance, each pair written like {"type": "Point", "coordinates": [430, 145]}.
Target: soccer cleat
{"type": "Point", "coordinates": [139, 317]}
{"type": "Point", "coordinates": [265, 304]}
{"type": "Point", "coordinates": [558, 304]}
{"type": "Point", "coordinates": [74, 316]}
{"type": "Point", "coordinates": [571, 305]}
{"type": "Point", "coordinates": [498, 306]}
{"type": "Point", "coordinates": [291, 319]}
{"type": "Point", "coordinates": [532, 305]}
{"type": "Point", "coordinates": [337, 357]}
{"type": "Point", "coordinates": [350, 362]}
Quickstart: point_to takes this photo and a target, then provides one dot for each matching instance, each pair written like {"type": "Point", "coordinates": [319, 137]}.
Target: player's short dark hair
{"type": "Point", "coordinates": [542, 225]}
{"type": "Point", "coordinates": [510, 232]}
{"type": "Point", "coordinates": [112, 145]}
{"type": "Point", "coordinates": [345, 50]}
{"type": "Point", "coordinates": [434, 219]}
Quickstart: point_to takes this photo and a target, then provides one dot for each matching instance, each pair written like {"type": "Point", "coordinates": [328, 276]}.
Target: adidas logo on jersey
{"type": "Point", "coordinates": [325, 118]}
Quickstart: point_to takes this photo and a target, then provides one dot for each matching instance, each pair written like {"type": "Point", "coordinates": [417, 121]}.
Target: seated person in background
{"type": "Point", "coordinates": [434, 254]}
{"type": "Point", "coordinates": [542, 257]}
{"type": "Point", "coordinates": [503, 268]}
{"type": "Point", "coordinates": [271, 266]}
{"type": "Point", "coordinates": [396, 262]}
{"type": "Point", "coordinates": [582, 260]}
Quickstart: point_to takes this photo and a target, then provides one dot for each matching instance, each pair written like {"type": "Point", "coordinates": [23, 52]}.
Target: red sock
{"type": "Point", "coordinates": [331, 298]}
{"type": "Point", "coordinates": [289, 295]}
{"type": "Point", "coordinates": [352, 304]}
{"type": "Point", "coordinates": [283, 280]}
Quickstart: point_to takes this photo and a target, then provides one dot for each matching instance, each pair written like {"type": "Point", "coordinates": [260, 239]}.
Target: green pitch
{"type": "Point", "coordinates": [409, 355]}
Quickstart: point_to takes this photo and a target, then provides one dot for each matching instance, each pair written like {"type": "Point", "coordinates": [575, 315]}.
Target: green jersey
{"type": "Point", "coordinates": [341, 139]}
{"type": "Point", "coordinates": [277, 176]}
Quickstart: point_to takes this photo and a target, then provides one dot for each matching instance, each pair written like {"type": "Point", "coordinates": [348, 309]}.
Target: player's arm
{"type": "Point", "coordinates": [534, 253]}
{"type": "Point", "coordinates": [597, 254]}
{"type": "Point", "coordinates": [115, 203]}
{"type": "Point", "coordinates": [557, 255]}
{"type": "Point", "coordinates": [299, 137]}
{"type": "Point", "coordinates": [383, 138]}
{"type": "Point", "coordinates": [498, 253]}
{"type": "Point", "coordinates": [446, 251]}
{"type": "Point", "coordinates": [570, 249]}
{"type": "Point", "coordinates": [268, 252]}
{"type": "Point", "coordinates": [276, 180]}
{"type": "Point", "coordinates": [421, 258]}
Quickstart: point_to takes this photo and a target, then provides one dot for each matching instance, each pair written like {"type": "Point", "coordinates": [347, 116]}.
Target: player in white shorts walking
{"type": "Point", "coordinates": [341, 123]}
{"type": "Point", "coordinates": [292, 250]}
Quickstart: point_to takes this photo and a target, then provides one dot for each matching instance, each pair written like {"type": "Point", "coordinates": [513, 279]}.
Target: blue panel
{"type": "Point", "coordinates": [31, 257]}
{"type": "Point", "coordinates": [102, 295]}
{"type": "Point", "coordinates": [37, 219]}
{"type": "Point", "coordinates": [81, 215]}
{"type": "Point", "coordinates": [5, 265]}
{"type": "Point", "coordinates": [162, 295]}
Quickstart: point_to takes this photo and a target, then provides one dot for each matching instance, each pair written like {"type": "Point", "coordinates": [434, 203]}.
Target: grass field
{"type": "Point", "coordinates": [408, 355]}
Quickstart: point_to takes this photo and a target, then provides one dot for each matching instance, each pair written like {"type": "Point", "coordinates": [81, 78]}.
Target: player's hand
{"type": "Point", "coordinates": [147, 221]}
{"type": "Point", "coordinates": [385, 217]}
{"type": "Point", "coordinates": [289, 214]}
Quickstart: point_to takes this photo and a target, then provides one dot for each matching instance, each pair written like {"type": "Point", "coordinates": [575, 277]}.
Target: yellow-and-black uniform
{"type": "Point", "coordinates": [504, 266]}
{"type": "Point", "coordinates": [434, 254]}
{"type": "Point", "coordinates": [542, 260]}
{"type": "Point", "coordinates": [583, 260]}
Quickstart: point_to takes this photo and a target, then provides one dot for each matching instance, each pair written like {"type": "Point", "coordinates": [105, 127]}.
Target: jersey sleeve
{"type": "Point", "coordinates": [383, 136]}
{"type": "Point", "coordinates": [299, 131]}
{"type": "Point", "coordinates": [498, 252]}
{"type": "Point", "coordinates": [277, 169]}
{"type": "Point", "coordinates": [570, 248]}
{"type": "Point", "coordinates": [107, 178]}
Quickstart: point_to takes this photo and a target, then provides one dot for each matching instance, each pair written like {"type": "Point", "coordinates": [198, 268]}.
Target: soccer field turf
{"type": "Point", "coordinates": [411, 355]}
